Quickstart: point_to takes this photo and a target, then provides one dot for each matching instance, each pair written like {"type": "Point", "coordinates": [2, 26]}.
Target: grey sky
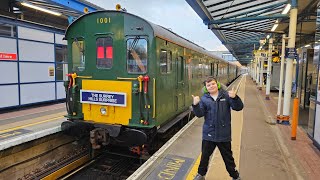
{"type": "Point", "coordinates": [174, 14]}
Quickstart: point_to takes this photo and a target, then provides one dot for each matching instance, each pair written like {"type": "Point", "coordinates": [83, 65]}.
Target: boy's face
{"type": "Point", "coordinates": [212, 87]}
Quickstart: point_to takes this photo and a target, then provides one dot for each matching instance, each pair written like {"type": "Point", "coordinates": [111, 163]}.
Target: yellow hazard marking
{"type": "Point", "coordinates": [194, 169]}
{"type": "Point", "coordinates": [114, 114]}
{"type": "Point", "coordinates": [66, 169]}
{"type": "Point", "coordinates": [32, 124]}
{"type": "Point", "coordinates": [8, 134]}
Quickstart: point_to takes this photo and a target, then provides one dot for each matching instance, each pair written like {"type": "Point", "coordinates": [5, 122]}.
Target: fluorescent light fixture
{"type": "Point", "coordinates": [308, 45]}
{"type": "Point", "coordinates": [286, 9]}
{"type": "Point", "coordinates": [41, 9]}
{"type": "Point", "coordinates": [274, 27]}
{"type": "Point", "coordinates": [268, 36]}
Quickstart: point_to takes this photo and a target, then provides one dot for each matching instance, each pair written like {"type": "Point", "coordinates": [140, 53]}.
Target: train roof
{"type": "Point", "coordinates": [167, 34]}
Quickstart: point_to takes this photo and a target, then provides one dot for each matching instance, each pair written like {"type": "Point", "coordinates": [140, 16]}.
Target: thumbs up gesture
{"type": "Point", "coordinates": [196, 99]}
{"type": "Point", "coordinates": [232, 93]}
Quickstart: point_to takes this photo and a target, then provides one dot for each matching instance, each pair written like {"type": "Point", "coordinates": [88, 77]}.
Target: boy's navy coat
{"type": "Point", "coordinates": [217, 115]}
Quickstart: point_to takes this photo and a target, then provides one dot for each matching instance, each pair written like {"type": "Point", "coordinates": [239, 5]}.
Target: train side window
{"type": "Point", "coordinates": [180, 69]}
{"type": "Point", "coordinates": [104, 52]}
{"type": "Point", "coordinates": [169, 62]}
{"type": "Point", "coordinates": [211, 69]}
{"type": "Point", "coordinates": [163, 61]}
{"type": "Point", "coordinates": [137, 55]}
{"type": "Point", "coordinates": [217, 70]}
{"type": "Point", "coordinates": [78, 57]}
{"type": "Point", "coordinates": [207, 70]}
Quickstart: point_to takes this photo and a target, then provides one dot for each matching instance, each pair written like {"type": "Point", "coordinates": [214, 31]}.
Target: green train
{"type": "Point", "coordinates": [131, 80]}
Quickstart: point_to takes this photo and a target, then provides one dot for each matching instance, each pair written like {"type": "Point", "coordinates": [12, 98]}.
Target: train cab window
{"type": "Point", "coordinates": [137, 55]}
{"type": "Point", "coordinates": [104, 53]}
{"type": "Point", "coordinates": [165, 61]}
{"type": "Point", "coordinates": [78, 57]}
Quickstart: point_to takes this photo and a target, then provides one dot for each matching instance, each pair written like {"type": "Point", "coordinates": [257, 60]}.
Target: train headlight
{"type": "Point", "coordinates": [103, 110]}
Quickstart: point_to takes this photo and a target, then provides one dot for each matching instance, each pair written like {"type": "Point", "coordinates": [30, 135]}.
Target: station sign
{"type": "Point", "coordinates": [8, 56]}
{"type": "Point", "coordinates": [291, 53]}
{"type": "Point", "coordinates": [103, 98]}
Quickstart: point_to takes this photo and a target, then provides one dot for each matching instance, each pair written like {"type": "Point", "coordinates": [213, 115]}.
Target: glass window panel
{"type": "Point", "coordinates": [181, 69]}
{"type": "Point", "coordinates": [61, 54]}
{"type": "Point", "coordinates": [104, 60]}
{"type": "Point", "coordinates": [163, 61]}
{"type": "Point", "coordinates": [169, 62]}
{"type": "Point", "coordinates": [78, 57]}
{"type": "Point", "coordinates": [61, 71]}
{"type": "Point", "coordinates": [8, 30]}
{"type": "Point", "coordinates": [137, 55]}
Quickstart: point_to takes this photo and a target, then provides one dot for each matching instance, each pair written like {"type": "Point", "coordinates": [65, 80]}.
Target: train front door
{"type": "Point", "coordinates": [180, 83]}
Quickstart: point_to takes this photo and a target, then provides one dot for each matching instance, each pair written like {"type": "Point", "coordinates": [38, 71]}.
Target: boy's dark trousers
{"type": "Point", "coordinates": [226, 153]}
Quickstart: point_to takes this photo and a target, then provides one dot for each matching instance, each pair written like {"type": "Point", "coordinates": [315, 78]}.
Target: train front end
{"type": "Point", "coordinates": [108, 81]}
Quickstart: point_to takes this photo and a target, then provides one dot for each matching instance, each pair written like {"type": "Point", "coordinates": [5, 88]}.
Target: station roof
{"type": "Point", "coordinates": [241, 24]}
{"type": "Point", "coordinates": [65, 10]}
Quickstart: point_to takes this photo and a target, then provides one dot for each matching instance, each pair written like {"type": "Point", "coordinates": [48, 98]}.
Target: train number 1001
{"type": "Point", "coordinates": [103, 20]}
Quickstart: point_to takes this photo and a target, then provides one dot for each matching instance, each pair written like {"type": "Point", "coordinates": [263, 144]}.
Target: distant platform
{"type": "Point", "coordinates": [18, 127]}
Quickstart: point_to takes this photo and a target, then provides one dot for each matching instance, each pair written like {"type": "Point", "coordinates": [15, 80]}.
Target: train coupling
{"type": "Point", "coordinates": [98, 137]}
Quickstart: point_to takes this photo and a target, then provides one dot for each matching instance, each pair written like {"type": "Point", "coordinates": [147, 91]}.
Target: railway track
{"type": "Point", "coordinates": [107, 166]}
{"type": "Point", "coordinates": [68, 158]}
{"type": "Point", "coordinates": [114, 163]}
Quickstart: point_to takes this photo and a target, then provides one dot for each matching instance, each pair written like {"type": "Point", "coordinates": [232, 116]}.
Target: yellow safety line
{"type": "Point", "coordinates": [17, 116]}
{"type": "Point", "coordinates": [154, 98]}
{"type": "Point", "coordinates": [66, 169]}
{"type": "Point", "coordinates": [40, 122]}
{"type": "Point", "coordinates": [194, 169]}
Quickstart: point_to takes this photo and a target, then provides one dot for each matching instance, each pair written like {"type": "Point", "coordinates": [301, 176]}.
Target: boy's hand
{"type": "Point", "coordinates": [196, 99]}
{"type": "Point", "coordinates": [232, 93]}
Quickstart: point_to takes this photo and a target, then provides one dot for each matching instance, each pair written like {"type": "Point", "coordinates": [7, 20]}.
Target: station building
{"type": "Point", "coordinates": [33, 54]}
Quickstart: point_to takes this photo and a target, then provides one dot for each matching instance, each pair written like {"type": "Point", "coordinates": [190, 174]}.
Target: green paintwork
{"type": "Point", "coordinates": [173, 90]}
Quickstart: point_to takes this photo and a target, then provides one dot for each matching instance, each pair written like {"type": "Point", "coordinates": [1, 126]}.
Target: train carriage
{"type": "Point", "coordinates": [130, 79]}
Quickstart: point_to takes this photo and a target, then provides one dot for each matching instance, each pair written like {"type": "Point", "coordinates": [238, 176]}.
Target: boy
{"type": "Point", "coordinates": [215, 105]}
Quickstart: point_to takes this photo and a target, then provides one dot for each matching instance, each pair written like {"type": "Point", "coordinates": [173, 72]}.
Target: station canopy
{"type": "Point", "coordinates": [242, 25]}
{"type": "Point", "coordinates": [55, 13]}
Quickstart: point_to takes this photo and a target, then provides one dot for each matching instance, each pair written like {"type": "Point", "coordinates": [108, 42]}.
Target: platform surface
{"type": "Point", "coordinates": [261, 150]}
{"type": "Point", "coordinates": [21, 126]}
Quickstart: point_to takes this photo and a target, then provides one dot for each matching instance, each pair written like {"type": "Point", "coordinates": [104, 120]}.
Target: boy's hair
{"type": "Point", "coordinates": [209, 79]}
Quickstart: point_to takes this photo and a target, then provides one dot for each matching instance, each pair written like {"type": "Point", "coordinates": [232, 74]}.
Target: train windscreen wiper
{"type": "Point", "coordinates": [135, 54]}
{"type": "Point", "coordinates": [78, 45]}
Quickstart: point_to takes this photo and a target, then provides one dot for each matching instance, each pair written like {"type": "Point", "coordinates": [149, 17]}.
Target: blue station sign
{"type": "Point", "coordinates": [291, 53]}
{"type": "Point", "coordinates": [103, 98]}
